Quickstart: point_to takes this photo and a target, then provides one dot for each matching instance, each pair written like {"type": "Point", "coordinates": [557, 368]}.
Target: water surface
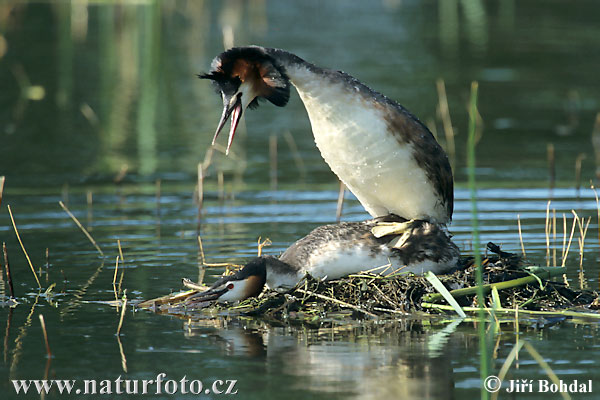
{"type": "Point", "coordinates": [99, 102]}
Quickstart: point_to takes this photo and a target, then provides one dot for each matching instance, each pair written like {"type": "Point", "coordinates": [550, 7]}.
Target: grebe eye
{"type": "Point", "coordinates": [230, 286]}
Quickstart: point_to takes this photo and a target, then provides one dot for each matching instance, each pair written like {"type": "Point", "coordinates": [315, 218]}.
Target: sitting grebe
{"type": "Point", "coordinates": [386, 157]}
{"type": "Point", "coordinates": [334, 251]}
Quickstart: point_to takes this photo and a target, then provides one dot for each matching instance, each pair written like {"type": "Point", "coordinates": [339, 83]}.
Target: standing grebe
{"type": "Point", "coordinates": [334, 251]}
{"type": "Point", "coordinates": [386, 157]}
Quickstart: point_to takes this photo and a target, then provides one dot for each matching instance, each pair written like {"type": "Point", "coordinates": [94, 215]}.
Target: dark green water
{"type": "Point", "coordinates": [89, 90]}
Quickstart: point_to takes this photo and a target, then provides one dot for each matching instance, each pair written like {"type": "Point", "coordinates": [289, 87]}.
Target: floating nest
{"type": "Point", "coordinates": [510, 287]}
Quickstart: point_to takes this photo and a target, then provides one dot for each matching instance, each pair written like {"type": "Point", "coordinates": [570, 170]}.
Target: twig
{"type": "Point", "coordinates": [23, 247]}
{"type": "Point", "coordinates": [341, 303]}
{"type": "Point", "coordinates": [87, 234]}
{"type": "Point", "coordinates": [48, 352]}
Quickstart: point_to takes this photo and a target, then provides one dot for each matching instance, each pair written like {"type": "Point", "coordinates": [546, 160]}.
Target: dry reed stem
{"type": "Point", "coordinates": [564, 246]}
{"type": "Point", "coordinates": [22, 246]}
{"type": "Point", "coordinates": [554, 236]}
{"type": "Point", "coordinates": [200, 197]}
{"type": "Point", "coordinates": [85, 232]}
{"type": "Point", "coordinates": [116, 270]}
{"type": "Point", "coordinates": [340, 202]}
{"type": "Point", "coordinates": [295, 154]}
{"type": "Point", "coordinates": [121, 280]}
{"type": "Point", "coordinates": [570, 239]}
{"type": "Point", "coordinates": [158, 184]}
{"type": "Point", "coordinates": [521, 236]}
{"type": "Point", "coordinates": [220, 185]}
{"type": "Point", "coordinates": [578, 163]}
{"type": "Point", "coordinates": [547, 232]}
{"type": "Point", "coordinates": [123, 358]}
{"type": "Point", "coordinates": [581, 239]}
{"type": "Point", "coordinates": [551, 164]}
{"type": "Point", "coordinates": [43, 323]}
{"type": "Point", "coordinates": [597, 201]}
{"type": "Point", "coordinates": [121, 174]}
{"type": "Point", "coordinates": [8, 275]}
{"type": "Point", "coordinates": [124, 306]}
{"type": "Point", "coordinates": [266, 242]}
{"type": "Point", "coordinates": [446, 121]}
{"type": "Point", "coordinates": [201, 251]}
{"type": "Point", "coordinates": [540, 360]}
{"type": "Point", "coordinates": [120, 249]}
{"type": "Point", "coordinates": [2, 179]}
{"type": "Point", "coordinates": [19, 340]}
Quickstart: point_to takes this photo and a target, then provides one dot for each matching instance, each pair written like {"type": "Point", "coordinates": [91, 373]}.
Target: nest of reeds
{"type": "Point", "coordinates": [509, 286]}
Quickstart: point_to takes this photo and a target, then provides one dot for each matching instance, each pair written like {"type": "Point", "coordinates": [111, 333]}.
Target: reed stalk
{"type": "Point", "coordinates": [547, 233]}
{"type": "Point", "coordinates": [444, 110]}
{"type": "Point", "coordinates": [2, 179]}
{"type": "Point", "coordinates": [471, 142]}
{"type": "Point", "coordinates": [123, 308]}
{"type": "Point", "coordinates": [521, 236]}
{"type": "Point", "coordinates": [85, 232]}
{"type": "Point", "coordinates": [12, 219]}
{"type": "Point", "coordinates": [43, 323]}
{"type": "Point", "coordinates": [8, 274]}
{"type": "Point", "coordinates": [273, 161]}
{"type": "Point", "coordinates": [340, 202]}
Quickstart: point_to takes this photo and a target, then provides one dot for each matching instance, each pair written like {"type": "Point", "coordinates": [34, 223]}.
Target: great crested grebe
{"type": "Point", "coordinates": [334, 251]}
{"type": "Point", "coordinates": [386, 157]}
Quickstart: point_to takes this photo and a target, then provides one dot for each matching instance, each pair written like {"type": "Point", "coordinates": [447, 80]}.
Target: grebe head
{"type": "Point", "coordinates": [247, 282]}
{"type": "Point", "coordinates": [244, 75]}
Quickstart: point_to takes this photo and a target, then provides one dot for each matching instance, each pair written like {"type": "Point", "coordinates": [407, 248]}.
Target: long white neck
{"type": "Point", "coordinates": [353, 128]}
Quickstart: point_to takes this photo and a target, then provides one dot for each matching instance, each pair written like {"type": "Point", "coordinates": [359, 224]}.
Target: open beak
{"type": "Point", "coordinates": [218, 289]}
{"type": "Point", "coordinates": [232, 107]}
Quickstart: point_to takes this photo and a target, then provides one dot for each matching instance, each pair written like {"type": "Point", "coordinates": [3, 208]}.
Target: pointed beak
{"type": "Point", "coordinates": [218, 289]}
{"type": "Point", "coordinates": [232, 107]}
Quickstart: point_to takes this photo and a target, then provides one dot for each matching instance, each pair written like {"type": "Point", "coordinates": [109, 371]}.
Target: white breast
{"type": "Point", "coordinates": [354, 140]}
{"type": "Point", "coordinates": [332, 262]}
